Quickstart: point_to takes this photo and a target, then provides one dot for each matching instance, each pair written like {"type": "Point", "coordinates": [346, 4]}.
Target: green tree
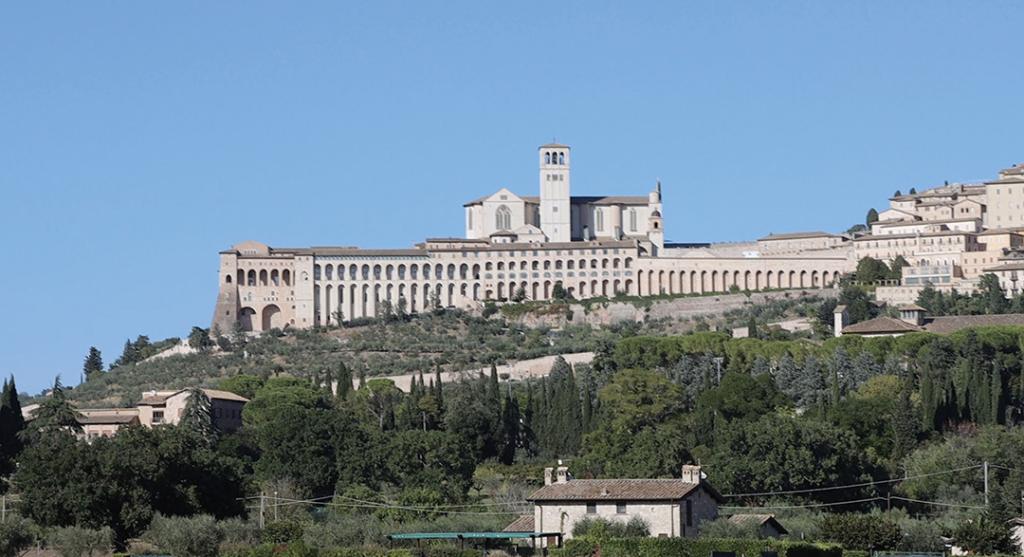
{"type": "Point", "coordinates": [558, 292]}
{"type": "Point", "coordinates": [870, 270]}
{"type": "Point", "coordinates": [872, 217]}
{"type": "Point", "coordinates": [242, 385]}
{"type": "Point", "coordinates": [93, 364]}
{"type": "Point", "coordinates": [984, 535]}
{"type": "Point", "coordinates": [782, 453]}
{"type": "Point", "coordinates": [643, 432]}
{"type": "Point", "coordinates": [11, 425]}
{"type": "Point", "coordinates": [199, 339]}
{"type": "Point", "coordinates": [860, 532]}
{"type": "Point", "coordinates": [198, 416]}
{"type": "Point", "coordinates": [55, 413]}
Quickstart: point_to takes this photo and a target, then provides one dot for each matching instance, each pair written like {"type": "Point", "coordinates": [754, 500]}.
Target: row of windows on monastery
{"type": "Point", "coordinates": [915, 242]}
{"type": "Point", "coordinates": [463, 271]}
{"type": "Point", "coordinates": [426, 270]}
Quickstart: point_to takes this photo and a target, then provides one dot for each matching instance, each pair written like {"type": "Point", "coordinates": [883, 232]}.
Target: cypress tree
{"type": "Point", "coordinates": [588, 408]}
{"type": "Point", "coordinates": [527, 435]}
{"type": "Point", "coordinates": [198, 416]}
{"type": "Point", "coordinates": [996, 394]}
{"type": "Point", "coordinates": [344, 378]}
{"type": "Point", "coordinates": [494, 390]}
{"type": "Point", "coordinates": [509, 430]}
{"type": "Point", "coordinates": [93, 363]}
{"type": "Point", "coordinates": [439, 393]}
{"type": "Point", "coordinates": [362, 376]}
{"type": "Point", "coordinates": [11, 425]}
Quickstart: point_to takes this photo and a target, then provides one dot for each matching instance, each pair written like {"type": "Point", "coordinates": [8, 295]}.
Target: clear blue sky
{"type": "Point", "coordinates": [139, 138]}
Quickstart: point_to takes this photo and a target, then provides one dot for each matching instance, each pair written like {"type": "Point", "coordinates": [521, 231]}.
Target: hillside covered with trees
{"type": "Point", "coordinates": [894, 430]}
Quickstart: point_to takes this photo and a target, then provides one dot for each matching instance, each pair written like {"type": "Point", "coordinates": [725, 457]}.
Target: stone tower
{"type": "Point", "coordinates": [555, 216]}
{"type": "Point", "coordinates": [656, 225]}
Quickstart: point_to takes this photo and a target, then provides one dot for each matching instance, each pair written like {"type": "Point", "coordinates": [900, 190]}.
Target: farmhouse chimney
{"type": "Point", "coordinates": [691, 474]}
{"type": "Point", "coordinates": [549, 474]}
{"type": "Point", "coordinates": [562, 474]}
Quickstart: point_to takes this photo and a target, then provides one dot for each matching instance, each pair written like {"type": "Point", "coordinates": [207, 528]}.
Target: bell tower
{"type": "Point", "coordinates": [555, 218]}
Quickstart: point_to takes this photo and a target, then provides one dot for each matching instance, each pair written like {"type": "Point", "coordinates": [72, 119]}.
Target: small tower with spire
{"type": "Point", "coordinates": [655, 224]}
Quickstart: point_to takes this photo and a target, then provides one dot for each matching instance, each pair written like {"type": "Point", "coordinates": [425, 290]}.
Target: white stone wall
{"type": "Point", "coordinates": [664, 518]}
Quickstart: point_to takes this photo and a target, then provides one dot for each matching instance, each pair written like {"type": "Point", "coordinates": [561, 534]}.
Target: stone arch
{"type": "Point", "coordinates": [476, 271]}
{"type": "Point", "coordinates": [639, 283]}
{"type": "Point", "coordinates": [389, 272]}
{"type": "Point", "coordinates": [534, 290]}
{"type": "Point", "coordinates": [629, 286]}
{"type": "Point", "coordinates": [263, 277]}
{"type": "Point", "coordinates": [275, 277]}
{"type": "Point", "coordinates": [245, 318]}
{"type": "Point", "coordinates": [476, 291]}
{"type": "Point", "coordinates": [271, 318]}
{"type": "Point", "coordinates": [814, 279]}
{"type": "Point", "coordinates": [714, 281]}
{"type": "Point", "coordinates": [746, 280]}
{"type": "Point", "coordinates": [227, 278]}
{"type": "Point", "coordinates": [803, 279]}
{"type": "Point", "coordinates": [329, 272]}
{"type": "Point", "coordinates": [376, 272]}
{"type": "Point", "coordinates": [327, 305]}
{"type": "Point", "coordinates": [463, 271]}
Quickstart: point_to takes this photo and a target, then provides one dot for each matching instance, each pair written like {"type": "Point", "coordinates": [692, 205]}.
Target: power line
{"type": "Point", "coordinates": [810, 505]}
{"type": "Point", "coordinates": [939, 503]}
{"type": "Point", "coordinates": [850, 486]}
{"type": "Point", "coordinates": [358, 503]}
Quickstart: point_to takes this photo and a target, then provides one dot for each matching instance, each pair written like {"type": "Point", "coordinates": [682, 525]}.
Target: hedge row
{"type": "Point", "coordinates": [299, 549]}
{"type": "Point", "coordinates": [692, 547]}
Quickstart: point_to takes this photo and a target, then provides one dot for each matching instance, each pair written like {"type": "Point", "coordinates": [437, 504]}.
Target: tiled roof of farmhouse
{"type": "Point", "coordinates": [522, 524]}
{"type": "Point", "coordinates": [758, 519]}
{"type": "Point", "coordinates": [954, 323]}
{"type": "Point", "coordinates": [161, 397]}
{"type": "Point", "coordinates": [617, 490]}
{"type": "Point", "coordinates": [880, 325]}
{"type": "Point", "coordinates": [104, 419]}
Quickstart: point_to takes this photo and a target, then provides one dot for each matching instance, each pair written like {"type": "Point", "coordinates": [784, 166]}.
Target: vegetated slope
{"type": "Point", "coordinates": [453, 340]}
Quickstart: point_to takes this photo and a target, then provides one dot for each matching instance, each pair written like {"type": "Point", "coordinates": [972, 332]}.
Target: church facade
{"type": "Point", "coordinates": [591, 246]}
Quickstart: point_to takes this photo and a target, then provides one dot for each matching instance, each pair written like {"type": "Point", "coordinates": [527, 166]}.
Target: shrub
{"type": "Point", "coordinates": [15, 536]}
{"type": "Point", "coordinates": [690, 547]}
{"type": "Point", "coordinates": [240, 532]}
{"type": "Point", "coordinates": [196, 536]}
{"type": "Point", "coordinates": [283, 531]}
{"type": "Point", "coordinates": [602, 528]}
{"type": "Point", "coordinates": [725, 528]}
{"type": "Point", "coordinates": [80, 542]}
{"type": "Point", "coordinates": [864, 532]}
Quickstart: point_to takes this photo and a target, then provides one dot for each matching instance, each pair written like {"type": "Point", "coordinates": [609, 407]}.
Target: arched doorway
{"type": "Point", "coordinates": [271, 317]}
{"type": "Point", "coordinates": [245, 318]}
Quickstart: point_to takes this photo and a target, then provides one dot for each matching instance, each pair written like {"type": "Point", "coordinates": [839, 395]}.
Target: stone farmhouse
{"type": "Point", "coordinates": [156, 408]}
{"type": "Point", "coordinates": [670, 507]}
{"type": "Point", "coordinates": [591, 246]}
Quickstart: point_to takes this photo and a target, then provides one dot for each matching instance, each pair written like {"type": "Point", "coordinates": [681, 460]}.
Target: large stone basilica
{"type": "Point", "coordinates": [591, 245]}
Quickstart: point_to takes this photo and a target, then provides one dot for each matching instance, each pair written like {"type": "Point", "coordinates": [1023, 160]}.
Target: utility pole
{"type": "Point", "coordinates": [263, 507]}
{"type": "Point", "coordinates": [985, 468]}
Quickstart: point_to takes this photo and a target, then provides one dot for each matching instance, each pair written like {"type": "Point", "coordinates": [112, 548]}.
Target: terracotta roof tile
{"type": "Point", "coordinates": [953, 323]}
{"type": "Point", "coordinates": [879, 326]}
{"type": "Point", "coordinates": [614, 490]}
{"type": "Point", "coordinates": [522, 524]}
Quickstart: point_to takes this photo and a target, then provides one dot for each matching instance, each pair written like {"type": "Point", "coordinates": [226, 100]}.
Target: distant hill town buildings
{"type": "Point", "coordinates": [605, 245]}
